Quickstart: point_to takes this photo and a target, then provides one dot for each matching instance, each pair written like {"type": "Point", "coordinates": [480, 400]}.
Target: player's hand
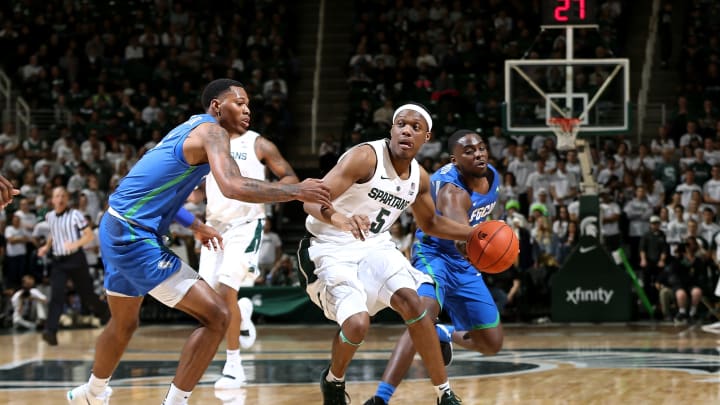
{"type": "Point", "coordinates": [7, 192]}
{"type": "Point", "coordinates": [207, 235]}
{"type": "Point", "coordinates": [314, 191]}
{"type": "Point", "coordinates": [358, 225]}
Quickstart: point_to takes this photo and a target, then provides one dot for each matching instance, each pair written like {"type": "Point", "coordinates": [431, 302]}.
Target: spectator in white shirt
{"type": "Point", "coordinates": [612, 169]}
{"type": "Point", "coordinates": [16, 239]}
{"type": "Point", "coordinates": [662, 142]}
{"type": "Point", "coordinates": [29, 305]}
{"type": "Point", "coordinates": [270, 248]}
{"type": "Point", "coordinates": [711, 188]}
{"type": "Point", "coordinates": [497, 143]}
{"type": "Point", "coordinates": [677, 227]}
{"type": "Point", "coordinates": [151, 111]}
{"type": "Point", "coordinates": [691, 135]}
{"type": "Point", "coordinates": [521, 168]}
{"type": "Point", "coordinates": [539, 179]}
{"type": "Point", "coordinates": [708, 227]}
{"type": "Point", "coordinates": [563, 185]}
{"type": "Point", "coordinates": [610, 219]}
{"type": "Point", "coordinates": [687, 187]}
{"type": "Point", "coordinates": [28, 219]}
{"type": "Point", "coordinates": [638, 211]}
{"type": "Point", "coordinates": [134, 50]}
{"type": "Point", "coordinates": [712, 154]}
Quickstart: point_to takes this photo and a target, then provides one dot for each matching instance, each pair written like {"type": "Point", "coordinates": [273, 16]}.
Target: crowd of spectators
{"type": "Point", "coordinates": [449, 55]}
{"type": "Point", "coordinates": [131, 70]}
{"type": "Point", "coordinates": [117, 77]}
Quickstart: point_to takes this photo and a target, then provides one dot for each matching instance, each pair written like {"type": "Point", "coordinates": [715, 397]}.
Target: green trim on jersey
{"type": "Point", "coordinates": [157, 191]}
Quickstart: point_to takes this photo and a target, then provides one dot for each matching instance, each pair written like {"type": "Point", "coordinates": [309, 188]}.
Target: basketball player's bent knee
{"type": "Point", "coordinates": [215, 315]}
{"type": "Point", "coordinates": [354, 329]}
{"type": "Point", "coordinates": [407, 303]}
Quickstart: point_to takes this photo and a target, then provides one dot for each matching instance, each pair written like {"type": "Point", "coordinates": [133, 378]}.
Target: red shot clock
{"type": "Point", "coordinates": [568, 12]}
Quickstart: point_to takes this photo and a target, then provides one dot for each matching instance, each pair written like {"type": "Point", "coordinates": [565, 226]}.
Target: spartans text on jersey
{"type": "Point", "coordinates": [388, 199]}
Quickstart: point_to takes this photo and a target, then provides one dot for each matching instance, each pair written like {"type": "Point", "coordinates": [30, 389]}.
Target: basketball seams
{"type": "Point", "coordinates": [486, 242]}
{"type": "Point", "coordinates": [490, 241]}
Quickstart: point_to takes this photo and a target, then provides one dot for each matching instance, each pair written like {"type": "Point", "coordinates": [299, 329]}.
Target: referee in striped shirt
{"type": "Point", "coordinates": [69, 232]}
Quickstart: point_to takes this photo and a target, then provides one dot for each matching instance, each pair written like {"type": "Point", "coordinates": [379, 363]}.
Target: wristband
{"type": "Point", "coordinates": [184, 217]}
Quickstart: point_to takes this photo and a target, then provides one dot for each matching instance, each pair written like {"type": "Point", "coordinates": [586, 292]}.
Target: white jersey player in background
{"type": "Point", "coordinates": [350, 262]}
{"type": "Point", "coordinates": [241, 226]}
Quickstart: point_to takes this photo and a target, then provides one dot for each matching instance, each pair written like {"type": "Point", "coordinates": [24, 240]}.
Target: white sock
{"type": "Point", "coordinates": [693, 310]}
{"type": "Point", "coordinates": [233, 362]}
{"type": "Point", "coordinates": [331, 377]}
{"type": "Point", "coordinates": [682, 310]}
{"type": "Point", "coordinates": [176, 396]}
{"type": "Point", "coordinates": [96, 386]}
{"type": "Point", "coordinates": [442, 388]}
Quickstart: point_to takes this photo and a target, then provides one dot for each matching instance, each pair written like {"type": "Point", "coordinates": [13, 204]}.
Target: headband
{"type": "Point", "coordinates": [417, 109]}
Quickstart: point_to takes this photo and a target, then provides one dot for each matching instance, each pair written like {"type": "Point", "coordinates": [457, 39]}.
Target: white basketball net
{"type": "Point", "coordinates": [566, 130]}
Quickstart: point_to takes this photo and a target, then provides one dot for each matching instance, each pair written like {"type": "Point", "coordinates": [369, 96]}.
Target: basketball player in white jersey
{"type": "Point", "coordinates": [241, 226]}
{"type": "Point", "coordinates": [349, 261]}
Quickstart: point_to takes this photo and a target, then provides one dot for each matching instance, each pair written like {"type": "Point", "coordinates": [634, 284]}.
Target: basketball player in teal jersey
{"type": "Point", "coordinates": [465, 191]}
{"type": "Point", "coordinates": [140, 211]}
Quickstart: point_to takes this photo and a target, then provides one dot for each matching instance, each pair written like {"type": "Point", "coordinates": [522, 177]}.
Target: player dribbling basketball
{"type": "Point", "coordinates": [465, 191]}
{"type": "Point", "coordinates": [353, 279]}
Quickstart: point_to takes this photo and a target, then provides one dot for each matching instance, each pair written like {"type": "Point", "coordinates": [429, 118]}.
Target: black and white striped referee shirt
{"type": "Point", "coordinates": [65, 227]}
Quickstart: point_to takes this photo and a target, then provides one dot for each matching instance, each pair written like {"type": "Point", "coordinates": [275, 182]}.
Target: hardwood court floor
{"type": "Point", "coordinates": [541, 364]}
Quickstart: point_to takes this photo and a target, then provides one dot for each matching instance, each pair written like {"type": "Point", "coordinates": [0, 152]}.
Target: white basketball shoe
{"type": "Point", "coordinates": [82, 396]}
{"type": "Point", "coordinates": [247, 327]}
{"type": "Point", "coordinates": [233, 377]}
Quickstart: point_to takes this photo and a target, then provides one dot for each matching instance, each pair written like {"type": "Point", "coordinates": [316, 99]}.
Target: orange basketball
{"type": "Point", "coordinates": [492, 247]}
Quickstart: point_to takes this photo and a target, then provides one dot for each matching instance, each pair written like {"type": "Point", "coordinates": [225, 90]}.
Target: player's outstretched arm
{"type": "Point", "coordinates": [271, 157]}
{"type": "Point", "coordinates": [216, 145]}
{"type": "Point", "coordinates": [436, 225]}
{"type": "Point", "coordinates": [356, 166]}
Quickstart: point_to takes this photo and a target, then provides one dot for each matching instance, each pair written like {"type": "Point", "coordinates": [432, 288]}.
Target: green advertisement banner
{"type": "Point", "coordinates": [590, 287]}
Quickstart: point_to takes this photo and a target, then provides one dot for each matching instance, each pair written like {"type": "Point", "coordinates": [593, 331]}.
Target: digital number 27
{"type": "Point", "coordinates": [561, 9]}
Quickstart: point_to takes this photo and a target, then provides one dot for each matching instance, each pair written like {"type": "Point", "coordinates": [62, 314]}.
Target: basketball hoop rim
{"type": "Point", "coordinates": [566, 130]}
{"type": "Point", "coordinates": [567, 125]}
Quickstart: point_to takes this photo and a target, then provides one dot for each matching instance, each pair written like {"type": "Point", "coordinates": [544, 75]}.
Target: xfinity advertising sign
{"type": "Point", "coordinates": [590, 287]}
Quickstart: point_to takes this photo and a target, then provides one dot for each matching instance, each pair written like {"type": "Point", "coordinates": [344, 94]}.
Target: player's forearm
{"type": "Point", "coordinates": [257, 191]}
{"type": "Point", "coordinates": [320, 212]}
{"type": "Point", "coordinates": [445, 228]}
{"type": "Point", "coordinates": [86, 238]}
{"type": "Point", "coordinates": [289, 179]}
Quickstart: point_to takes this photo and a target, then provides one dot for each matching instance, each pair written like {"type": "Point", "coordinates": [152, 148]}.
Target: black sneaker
{"type": "Point", "coordinates": [50, 338]}
{"type": "Point", "coordinates": [333, 392]}
{"type": "Point", "coordinates": [449, 398]}
{"type": "Point", "coordinates": [375, 401]}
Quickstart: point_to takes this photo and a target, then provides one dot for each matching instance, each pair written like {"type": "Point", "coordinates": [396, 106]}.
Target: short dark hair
{"type": "Point", "coordinates": [455, 137]}
{"type": "Point", "coordinates": [215, 88]}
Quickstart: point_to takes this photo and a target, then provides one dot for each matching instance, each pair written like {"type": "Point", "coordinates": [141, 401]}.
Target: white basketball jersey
{"type": "Point", "coordinates": [383, 198]}
{"type": "Point", "coordinates": [223, 210]}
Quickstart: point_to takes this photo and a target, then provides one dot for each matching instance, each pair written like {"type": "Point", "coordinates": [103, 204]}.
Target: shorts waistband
{"type": "Point", "coordinates": [221, 226]}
